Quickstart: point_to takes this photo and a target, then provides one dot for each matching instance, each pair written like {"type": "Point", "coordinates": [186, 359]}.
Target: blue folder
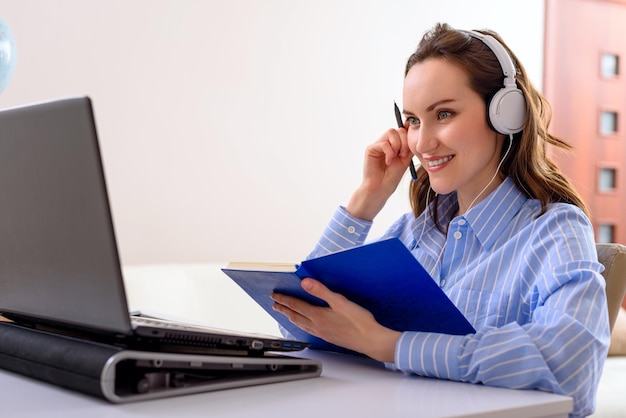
{"type": "Point", "coordinates": [383, 277]}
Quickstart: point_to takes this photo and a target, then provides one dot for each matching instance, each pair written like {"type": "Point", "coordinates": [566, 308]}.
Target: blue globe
{"type": "Point", "coordinates": [7, 54]}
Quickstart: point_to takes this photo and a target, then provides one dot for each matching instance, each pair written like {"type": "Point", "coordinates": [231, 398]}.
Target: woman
{"type": "Point", "coordinates": [494, 222]}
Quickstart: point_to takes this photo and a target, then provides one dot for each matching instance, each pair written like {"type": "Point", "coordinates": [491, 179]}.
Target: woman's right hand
{"type": "Point", "coordinates": [386, 161]}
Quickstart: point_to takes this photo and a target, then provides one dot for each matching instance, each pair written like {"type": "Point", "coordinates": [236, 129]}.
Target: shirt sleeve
{"type": "Point", "coordinates": [563, 346]}
{"type": "Point", "coordinates": [342, 232]}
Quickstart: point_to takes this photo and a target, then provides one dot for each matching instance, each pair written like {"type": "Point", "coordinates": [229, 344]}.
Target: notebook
{"type": "Point", "coordinates": [59, 264]}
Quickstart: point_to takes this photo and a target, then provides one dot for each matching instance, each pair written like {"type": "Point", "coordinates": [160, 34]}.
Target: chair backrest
{"type": "Point", "coordinates": [613, 257]}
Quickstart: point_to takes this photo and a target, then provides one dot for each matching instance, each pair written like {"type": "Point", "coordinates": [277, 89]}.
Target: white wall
{"type": "Point", "coordinates": [231, 129]}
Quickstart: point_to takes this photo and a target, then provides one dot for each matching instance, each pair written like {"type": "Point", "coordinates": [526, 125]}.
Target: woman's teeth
{"type": "Point", "coordinates": [440, 161]}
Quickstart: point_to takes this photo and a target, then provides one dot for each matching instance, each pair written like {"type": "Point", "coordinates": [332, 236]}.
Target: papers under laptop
{"type": "Point", "coordinates": [59, 265]}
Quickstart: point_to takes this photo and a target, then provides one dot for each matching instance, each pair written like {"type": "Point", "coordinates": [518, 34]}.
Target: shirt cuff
{"type": "Point", "coordinates": [429, 354]}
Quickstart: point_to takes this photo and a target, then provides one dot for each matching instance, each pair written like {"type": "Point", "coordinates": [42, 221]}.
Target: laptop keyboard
{"type": "Point", "coordinates": [174, 325]}
{"type": "Point", "coordinates": [148, 321]}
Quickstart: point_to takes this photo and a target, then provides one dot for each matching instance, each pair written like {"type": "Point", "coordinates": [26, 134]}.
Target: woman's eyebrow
{"type": "Point", "coordinates": [437, 103]}
{"type": "Point", "coordinates": [429, 108]}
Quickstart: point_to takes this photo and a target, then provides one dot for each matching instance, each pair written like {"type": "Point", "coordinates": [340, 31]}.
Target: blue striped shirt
{"type": "Point", "coordinates": [531, 287]}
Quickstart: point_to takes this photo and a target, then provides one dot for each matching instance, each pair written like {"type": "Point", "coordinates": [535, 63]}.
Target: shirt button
{"type": "Point", "coordinates": [458, 235]}
{"type": "Point", "coordinates": [442, 283]}
{"type": "Point", "coordinates": [461, 221]}
{"type": "Point", "coordinates": [351, 229]}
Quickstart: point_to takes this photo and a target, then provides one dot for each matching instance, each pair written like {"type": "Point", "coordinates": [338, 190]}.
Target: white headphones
{"type": "Point", "coordinates": [507, 108]}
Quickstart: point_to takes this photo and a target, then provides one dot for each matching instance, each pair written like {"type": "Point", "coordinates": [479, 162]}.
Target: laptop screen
{"type": "Point", "coordinates": [58, 255]}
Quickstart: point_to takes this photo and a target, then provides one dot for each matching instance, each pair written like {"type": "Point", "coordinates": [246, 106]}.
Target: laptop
{"type": "Point", "coordinates": [121, 375]}
{"type": "Point", "coordinates": [59, 265]}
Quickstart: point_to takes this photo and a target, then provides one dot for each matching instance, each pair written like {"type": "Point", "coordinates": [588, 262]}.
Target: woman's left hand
{"type": "Point", "coordinates": [342, 322]}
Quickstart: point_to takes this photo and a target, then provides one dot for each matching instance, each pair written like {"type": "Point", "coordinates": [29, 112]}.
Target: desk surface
{"type": "Point", "coordinates": [349, 385]}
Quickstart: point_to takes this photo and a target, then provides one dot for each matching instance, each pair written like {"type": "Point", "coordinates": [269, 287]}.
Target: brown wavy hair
{"type": "Point", "coordinates": [527, 163]}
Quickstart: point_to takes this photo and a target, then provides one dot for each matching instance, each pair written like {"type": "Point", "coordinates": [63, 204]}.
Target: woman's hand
{"type": "Point", "coordinates": [386, 161]}
{"type": "Point", "coordinates": [342, 323]}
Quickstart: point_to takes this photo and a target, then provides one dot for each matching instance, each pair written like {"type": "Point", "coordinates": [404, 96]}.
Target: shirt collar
{"type": "Point", "coordinates": [489, 218]}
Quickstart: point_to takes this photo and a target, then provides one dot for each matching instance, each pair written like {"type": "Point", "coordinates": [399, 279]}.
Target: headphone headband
{"type": "Point", "coordinates": [507, 108]}
{"type": "Point", "coordinates": [508, 68]}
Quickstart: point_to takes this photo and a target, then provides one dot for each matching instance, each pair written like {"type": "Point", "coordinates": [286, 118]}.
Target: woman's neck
{"type": "Point", "coordinates": [464, 207]}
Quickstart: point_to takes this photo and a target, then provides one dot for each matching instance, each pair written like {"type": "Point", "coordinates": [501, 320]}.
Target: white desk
{"type": "Point", "coordinates": [349, 386]}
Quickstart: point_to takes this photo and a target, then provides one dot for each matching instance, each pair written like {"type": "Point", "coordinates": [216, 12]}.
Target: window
{"type": "Point", "coordinates": [608, 122]}
{"type": "Point", "coordinates": [607, 179]}
{"type": "Point", "coordinates": [609, 65]}
{"type": "Point", "coordinates": [605, 233]}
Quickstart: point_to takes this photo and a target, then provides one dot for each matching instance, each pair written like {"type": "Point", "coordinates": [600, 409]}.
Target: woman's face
{"type": "Point", "coordinates": [448, 130]}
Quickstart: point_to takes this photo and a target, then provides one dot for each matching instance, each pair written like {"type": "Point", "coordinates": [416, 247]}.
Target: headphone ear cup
{"type": "Point", "coordinates": [507, 111]}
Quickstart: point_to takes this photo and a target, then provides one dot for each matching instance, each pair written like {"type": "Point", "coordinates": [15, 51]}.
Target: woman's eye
{"type": "Point", "coordinates": [444, 114]}
{"type": "Point", "coordinates": [413, 121]}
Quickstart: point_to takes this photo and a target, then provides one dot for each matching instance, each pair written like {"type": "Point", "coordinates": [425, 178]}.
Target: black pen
{"type": "Point", "coordinates": [401, 125]}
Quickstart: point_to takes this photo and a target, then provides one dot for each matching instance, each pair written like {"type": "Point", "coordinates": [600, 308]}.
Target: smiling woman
{"type": "Point", "coordinates": [447, 129]}
{"type": "Point", "coordinates": [494, 221]}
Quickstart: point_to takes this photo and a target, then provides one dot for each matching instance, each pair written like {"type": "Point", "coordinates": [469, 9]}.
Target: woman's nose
{"type": "Point", "coordinates": [421, 140]}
